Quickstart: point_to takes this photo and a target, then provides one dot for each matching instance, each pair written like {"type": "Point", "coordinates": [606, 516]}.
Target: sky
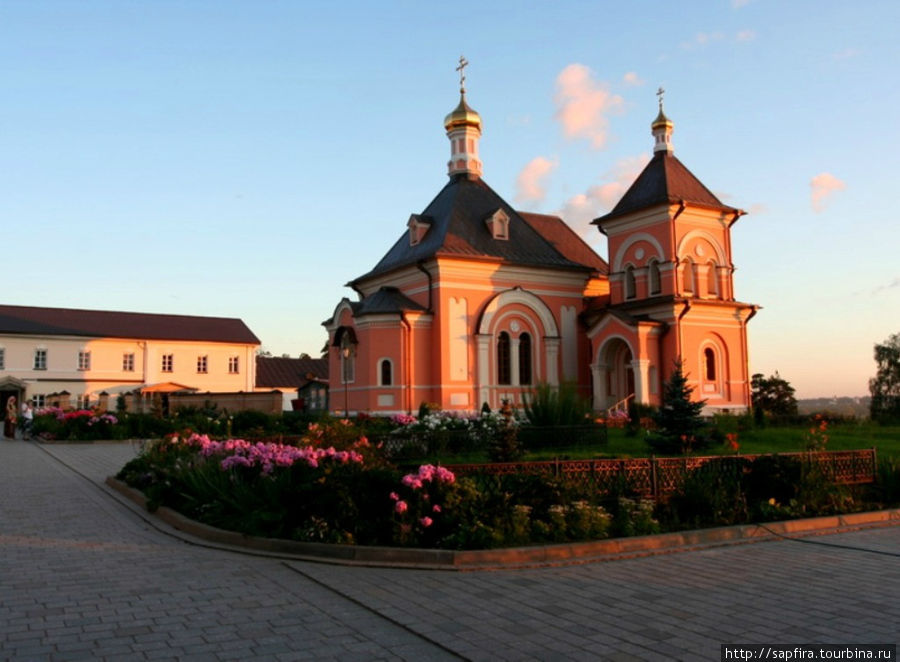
{"type": "Point", "coordinates": [249, 158]}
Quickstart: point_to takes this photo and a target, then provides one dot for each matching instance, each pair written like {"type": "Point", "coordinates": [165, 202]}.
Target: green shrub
{"type": "Point", "coordinates": [708, 496]}
{"type": "Point", "coordinates": [548, 405]}
{"type": "Point", "coordinates": [250, 422]}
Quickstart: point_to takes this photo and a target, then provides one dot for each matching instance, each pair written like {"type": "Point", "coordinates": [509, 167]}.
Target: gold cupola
{"type": "Point", "coordinates": [463, 126]}
{"type": "Point", "coordinates": [661, 128]}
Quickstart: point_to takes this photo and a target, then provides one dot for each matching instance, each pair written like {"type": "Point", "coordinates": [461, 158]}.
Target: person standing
{"type": "Point", "coordinates": [9, 425]}
{"type": "Point", "coordinates": [27, 418]}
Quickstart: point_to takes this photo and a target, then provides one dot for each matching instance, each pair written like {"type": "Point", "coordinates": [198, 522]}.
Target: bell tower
{"type": "Point", "coordinates": [463, 127]}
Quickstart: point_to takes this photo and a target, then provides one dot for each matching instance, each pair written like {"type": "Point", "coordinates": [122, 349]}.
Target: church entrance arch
{"type": "Point", "coordinates": [614, 383]}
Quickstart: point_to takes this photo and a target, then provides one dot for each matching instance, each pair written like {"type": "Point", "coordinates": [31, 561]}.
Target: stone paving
{"type": "Point", "coordinates": [84, 575]}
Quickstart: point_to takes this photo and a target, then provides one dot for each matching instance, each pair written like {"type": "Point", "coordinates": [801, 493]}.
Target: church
{"type": "Point", "coordinates": [478, 302]}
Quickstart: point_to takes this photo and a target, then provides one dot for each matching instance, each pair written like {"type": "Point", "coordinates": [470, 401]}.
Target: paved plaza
{"type": "Point", "coordinates": [85, 575]}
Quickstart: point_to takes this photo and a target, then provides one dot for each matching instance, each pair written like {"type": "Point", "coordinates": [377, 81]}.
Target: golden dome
{"type": "Point", "coordinates": [661, 120]}
{"type": "Point", "coordinates": [462, 115]}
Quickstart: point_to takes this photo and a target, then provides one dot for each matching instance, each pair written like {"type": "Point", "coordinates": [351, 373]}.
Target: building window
{"type": "Point", "coordinates": [709, 360]}
{"type": "Point", "coordinates": [40, 359]}
{"type": "Point", "coordinates": [201, 364]}
{"type": "Point", "coordinates": [655, 282]}
{"type": "Point", "coordinates": [2, 358]}
{"type": "Point", "coordinates": [386, 372]}
{"type": "Point", "coordinates": [83, 401]}
{"type": "Point", "coordinates": [630, 285]}
{"type": "Point", "coordinates": [498, 224]}
{"type": "Point", "coordinates": [712, 280]}
{"type": "Point", "coordinates": [38, 400]}
{"type": "Point", "coordinates": [168, 362]}
{"type": "Point", "coordinates": [688, 279]}
{"type": "Point", "coordinates": [525, 359]}
{"type": "Point", "coordinates": [503, 362]}
{"type": "Point", "coordinates": [127, 362]}
{"type": "Point", "coordinates": [234, 365]}
{"type": "Point", "coordinates": [84, 360]}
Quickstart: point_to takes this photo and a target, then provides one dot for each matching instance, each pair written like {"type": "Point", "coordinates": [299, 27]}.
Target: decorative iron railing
{"type": "Point", "coordinates": [659, 477]}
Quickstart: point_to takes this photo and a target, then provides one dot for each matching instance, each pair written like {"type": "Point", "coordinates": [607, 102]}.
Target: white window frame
{"type": "Point", "coordinates": [234, 365]}
{"type": "Point", "coordinates": [128, 362]}
{"type": "Point", "coordinates": [2, 358]}
{"type": "Point", "coordinates": [202, 364]}
{"type": "Point", "coordinates": [84, 359]}
{"type": "Point", "coordinates": [40, 358]}
{"type": "Point", "coordinates": [168, 363]}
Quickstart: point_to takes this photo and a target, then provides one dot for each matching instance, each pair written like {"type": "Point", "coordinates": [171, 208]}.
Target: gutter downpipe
{"type": "Point", "coordinates": [687, 307]}
{"type": "Point", "coordinates": [675, 281]}
{"type": "Point", "coordinates": [420, 266]}
{"type": "Point", "coordinates": [737, 214]}
{"type": "Point", "coordinates": [407, 367]}
{"type": "Point", "coordinates": [753, 311]}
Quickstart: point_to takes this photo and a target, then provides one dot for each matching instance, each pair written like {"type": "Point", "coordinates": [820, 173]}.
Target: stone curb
{"type": "Point", "coordinates": [517, 557]}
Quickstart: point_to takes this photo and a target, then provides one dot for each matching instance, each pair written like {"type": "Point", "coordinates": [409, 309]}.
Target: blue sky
{"type": "Point", "coordinates": [246, 159]}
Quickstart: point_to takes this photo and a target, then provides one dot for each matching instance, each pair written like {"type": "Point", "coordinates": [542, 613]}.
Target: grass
{"type": "Point", "coordinates": [843, 436]}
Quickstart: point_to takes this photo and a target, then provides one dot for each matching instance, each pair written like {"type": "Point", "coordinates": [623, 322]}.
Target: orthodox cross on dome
{"type": "Point", "coordinates": [661, 128]}
{"type": "Point", "coordinates": [463, 63]}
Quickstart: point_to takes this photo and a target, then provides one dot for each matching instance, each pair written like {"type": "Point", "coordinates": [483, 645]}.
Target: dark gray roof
{"type": "Point", "coordinates": [458, 229]}
{"type": "Point", "coordinates": [385, 300]}
{"type": "Point", "coordinates": [110, 324]}
{"type": "Point", "coordinates": [272, 371]}
{"type": "Point", "coordinates": [664, 180]}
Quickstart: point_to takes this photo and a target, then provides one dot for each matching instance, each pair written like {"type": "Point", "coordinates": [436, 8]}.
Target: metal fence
{"type": "Point", "coordinates": [659, 477]}
{"type": "Point", "coordinates": [442, 443]}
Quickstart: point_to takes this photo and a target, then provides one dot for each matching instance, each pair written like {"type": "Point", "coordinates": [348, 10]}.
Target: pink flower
{"type": "Point", "coordinates": [435, 508]}
{"type": "Point", "coordinates": [411, 480]}
{"type": "Point", "coordinates": [395, 496]}
{"type": "Point", "coordinates": [401, 507]}
{"type": "Point", "coordinates": [426, 522]}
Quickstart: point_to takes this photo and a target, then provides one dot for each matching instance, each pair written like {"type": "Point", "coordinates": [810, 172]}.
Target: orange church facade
{"type": "Point", "coordinates": [477, 302]}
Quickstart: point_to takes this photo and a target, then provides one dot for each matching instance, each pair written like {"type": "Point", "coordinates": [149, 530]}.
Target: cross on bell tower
{"type": "Point", "coordinates": [463, 127]}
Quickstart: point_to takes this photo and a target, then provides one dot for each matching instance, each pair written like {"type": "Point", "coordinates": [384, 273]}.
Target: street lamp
{"type": "Point", "coordinates": [345, 352]}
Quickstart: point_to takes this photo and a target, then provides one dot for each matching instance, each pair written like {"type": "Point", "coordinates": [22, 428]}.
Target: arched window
{"type": "Point", "coordinates": [688, 278]}
{"type": "Point", "coordinates": [709, 364]}
{"type": "Point", "coordinates": [653, 277]}
{"type": "Point", "coordinates": [386, 372]}
{"type": "Point", "coordinates": [525, 359]}
{"type": "Point", "coordinates": [630, 287]}
{"type": "Point", "coordinates": [503, 363]}
{"type": "Point", "coordinates": [712, 279]}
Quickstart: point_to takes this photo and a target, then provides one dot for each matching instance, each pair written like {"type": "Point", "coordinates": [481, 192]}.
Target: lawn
{"type": "Point", "coordinates": [843, 436]}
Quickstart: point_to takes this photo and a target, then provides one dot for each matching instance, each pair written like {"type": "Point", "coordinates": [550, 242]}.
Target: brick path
{"type": "Point", "coordinates": [85, 576]}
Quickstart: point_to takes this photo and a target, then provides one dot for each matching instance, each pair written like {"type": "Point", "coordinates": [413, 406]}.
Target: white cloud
{"type": "Point", "coordinates": [890, 286]}
{"type": "Point", "coordinates": [846, 54]}
{"type": "Point", "coordinates": [758, 208]}
{"type": "Point", "coordinates": [579, 210]}
{"type": "Point", "coordinates": [632, 79]}
{"type": "Point", "coordinates": [823, 186]}
{"type": "Point", "coordinates": [583, 104]}
{"type": "Point", "coordinates": [737, 4]}
{"type": "Point", "coordinates": [530, 184]}
{"type": "Point", "coordinates": [701, 39]}
{"type": "Point", "coordinates": [745, 35]}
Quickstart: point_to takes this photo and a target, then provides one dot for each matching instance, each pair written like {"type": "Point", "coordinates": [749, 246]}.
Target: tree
{"type": "Point", "coordinates": [885, 385]}
{"type": "Point", "coordinates": [678, 420]}
{"type": "Point", "coordinates": [772, 395]}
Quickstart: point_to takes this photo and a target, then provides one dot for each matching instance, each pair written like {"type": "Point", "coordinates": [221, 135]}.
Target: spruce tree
{"type": "Point", "coordinates": [678, 420]}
